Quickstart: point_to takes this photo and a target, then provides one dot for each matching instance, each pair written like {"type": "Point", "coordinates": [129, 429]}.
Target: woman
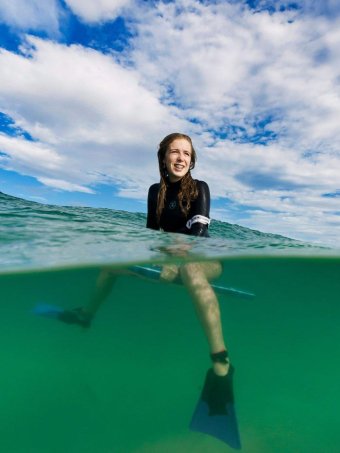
{"type": "Point", "coordinates": [181, 204]}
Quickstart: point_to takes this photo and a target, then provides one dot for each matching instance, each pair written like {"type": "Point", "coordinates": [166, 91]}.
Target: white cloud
{"type": "Point", "coordinates": [82, 108]}
{"type": "Point", "coordinates": [298, 209]}
{"type": "Point", "coordinates": [30, 15]}
{"type": "Point", "coordinates": [67, 90]}
{"type": "Point", "coordinates": [226, 67]}
{"type": "Point", "coordinates": [64, 185]}
{"type": "Point", "coordinates": [46, 15]}
{"type": "Point", "coordinates": [315, 227]}
{"type": "Point", "coordinates": [97, 10]}
{"type": "Point", "coordinates": [28, 154]}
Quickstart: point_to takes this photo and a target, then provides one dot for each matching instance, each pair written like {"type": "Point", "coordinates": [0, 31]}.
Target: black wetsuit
{"type": "Point", "coordinates": [172, 219]}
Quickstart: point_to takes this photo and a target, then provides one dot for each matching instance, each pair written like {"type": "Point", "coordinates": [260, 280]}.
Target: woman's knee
{"type": "Point", "coordinates": [212, 269]}
{"type": "Point", "coordinates": [209, 269]}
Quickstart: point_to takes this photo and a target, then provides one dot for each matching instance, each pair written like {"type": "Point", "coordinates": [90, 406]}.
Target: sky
{"type": "Point", "coordinates": [88, 88]}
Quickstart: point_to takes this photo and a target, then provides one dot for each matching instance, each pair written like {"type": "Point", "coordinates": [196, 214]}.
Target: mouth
{"type": "Point", "coordinates": [179, 167]}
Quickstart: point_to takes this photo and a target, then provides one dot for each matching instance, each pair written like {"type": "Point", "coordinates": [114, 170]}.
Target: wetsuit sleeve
{"type": "Point", "coordinates": [151, 221]}
{"type": "Point", "coordinates": [200, 213]}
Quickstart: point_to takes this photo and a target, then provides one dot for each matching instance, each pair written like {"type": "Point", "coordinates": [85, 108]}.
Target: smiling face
{"type": "Point", "coordinates": [178, 159]}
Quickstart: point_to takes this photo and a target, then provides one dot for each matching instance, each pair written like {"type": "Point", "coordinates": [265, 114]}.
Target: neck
{"type": "Point", "coordinates": [176, 181]}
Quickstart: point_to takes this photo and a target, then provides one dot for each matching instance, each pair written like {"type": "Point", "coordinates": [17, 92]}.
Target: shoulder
{"type": "Point", "coordinates": [201, 183]}
{"type": "Point", "coordinates": [154, 188]}
{"type": "Point", "coordinates": [202, 186]}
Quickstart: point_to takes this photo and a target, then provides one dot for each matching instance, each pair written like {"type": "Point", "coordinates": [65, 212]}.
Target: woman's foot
{"type": "Point", "coordinates": [218, 388]}
{"type": "Point", "coordinates": [76, 316]}
{"type": "Point", "coordinates": [220, 362]}
{"type": "Point", "coordinates": [221, 369]}
{"type": "Point", "coordinates": [218, 391]}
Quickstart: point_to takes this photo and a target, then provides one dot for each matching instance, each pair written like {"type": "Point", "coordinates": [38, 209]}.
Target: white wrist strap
{"type": "Point", "coordinates": [197, 219]}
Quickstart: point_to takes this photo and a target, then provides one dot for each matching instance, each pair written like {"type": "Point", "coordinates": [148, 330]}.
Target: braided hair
{"type": "Point", "coordinates": [188, 191]}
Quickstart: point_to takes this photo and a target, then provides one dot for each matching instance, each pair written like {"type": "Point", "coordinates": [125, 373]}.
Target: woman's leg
{"type": "Point", "coordinates": [83, 316]}
{"type": "Point", "coordinates": [169, 273]}
{"type": "Point", "coordinates": [104, 283]}
{"type": "Point", "coordinates": [195, 277]}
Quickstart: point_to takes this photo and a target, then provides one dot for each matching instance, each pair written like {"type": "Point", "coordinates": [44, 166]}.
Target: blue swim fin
{"type": "Point", "coordinates": [73, 316]}
{"type": "Point", "coordinates": [215, 411]}
{"type": "Point", "coordinates": [49, 311]}
{"type": "Point", "coordinates": [154, 273]}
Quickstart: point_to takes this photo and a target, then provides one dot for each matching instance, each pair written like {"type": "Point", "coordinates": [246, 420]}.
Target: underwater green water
{"type": "Point", "coordinates": [130, 383]}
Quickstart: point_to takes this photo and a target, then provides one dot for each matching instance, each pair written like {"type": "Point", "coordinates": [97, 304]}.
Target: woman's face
{"type": "Point", "coordinates": [178, 158]}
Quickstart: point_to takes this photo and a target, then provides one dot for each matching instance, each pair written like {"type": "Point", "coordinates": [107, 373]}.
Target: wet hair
{"type": "Point", "coordinates": [188, 190]}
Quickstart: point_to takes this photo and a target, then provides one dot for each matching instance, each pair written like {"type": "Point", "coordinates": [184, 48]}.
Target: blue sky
{"type": "Point", "coordinates": [88, 88]}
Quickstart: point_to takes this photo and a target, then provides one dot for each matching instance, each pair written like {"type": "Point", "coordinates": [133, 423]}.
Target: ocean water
{"type": "Point", "coordinates": [130, 383]}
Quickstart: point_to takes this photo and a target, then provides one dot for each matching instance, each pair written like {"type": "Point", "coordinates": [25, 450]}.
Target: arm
{"type": "Point", "coordinates": [199, 215]}
{"type": "Point", "coordinates": [151, 221]}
